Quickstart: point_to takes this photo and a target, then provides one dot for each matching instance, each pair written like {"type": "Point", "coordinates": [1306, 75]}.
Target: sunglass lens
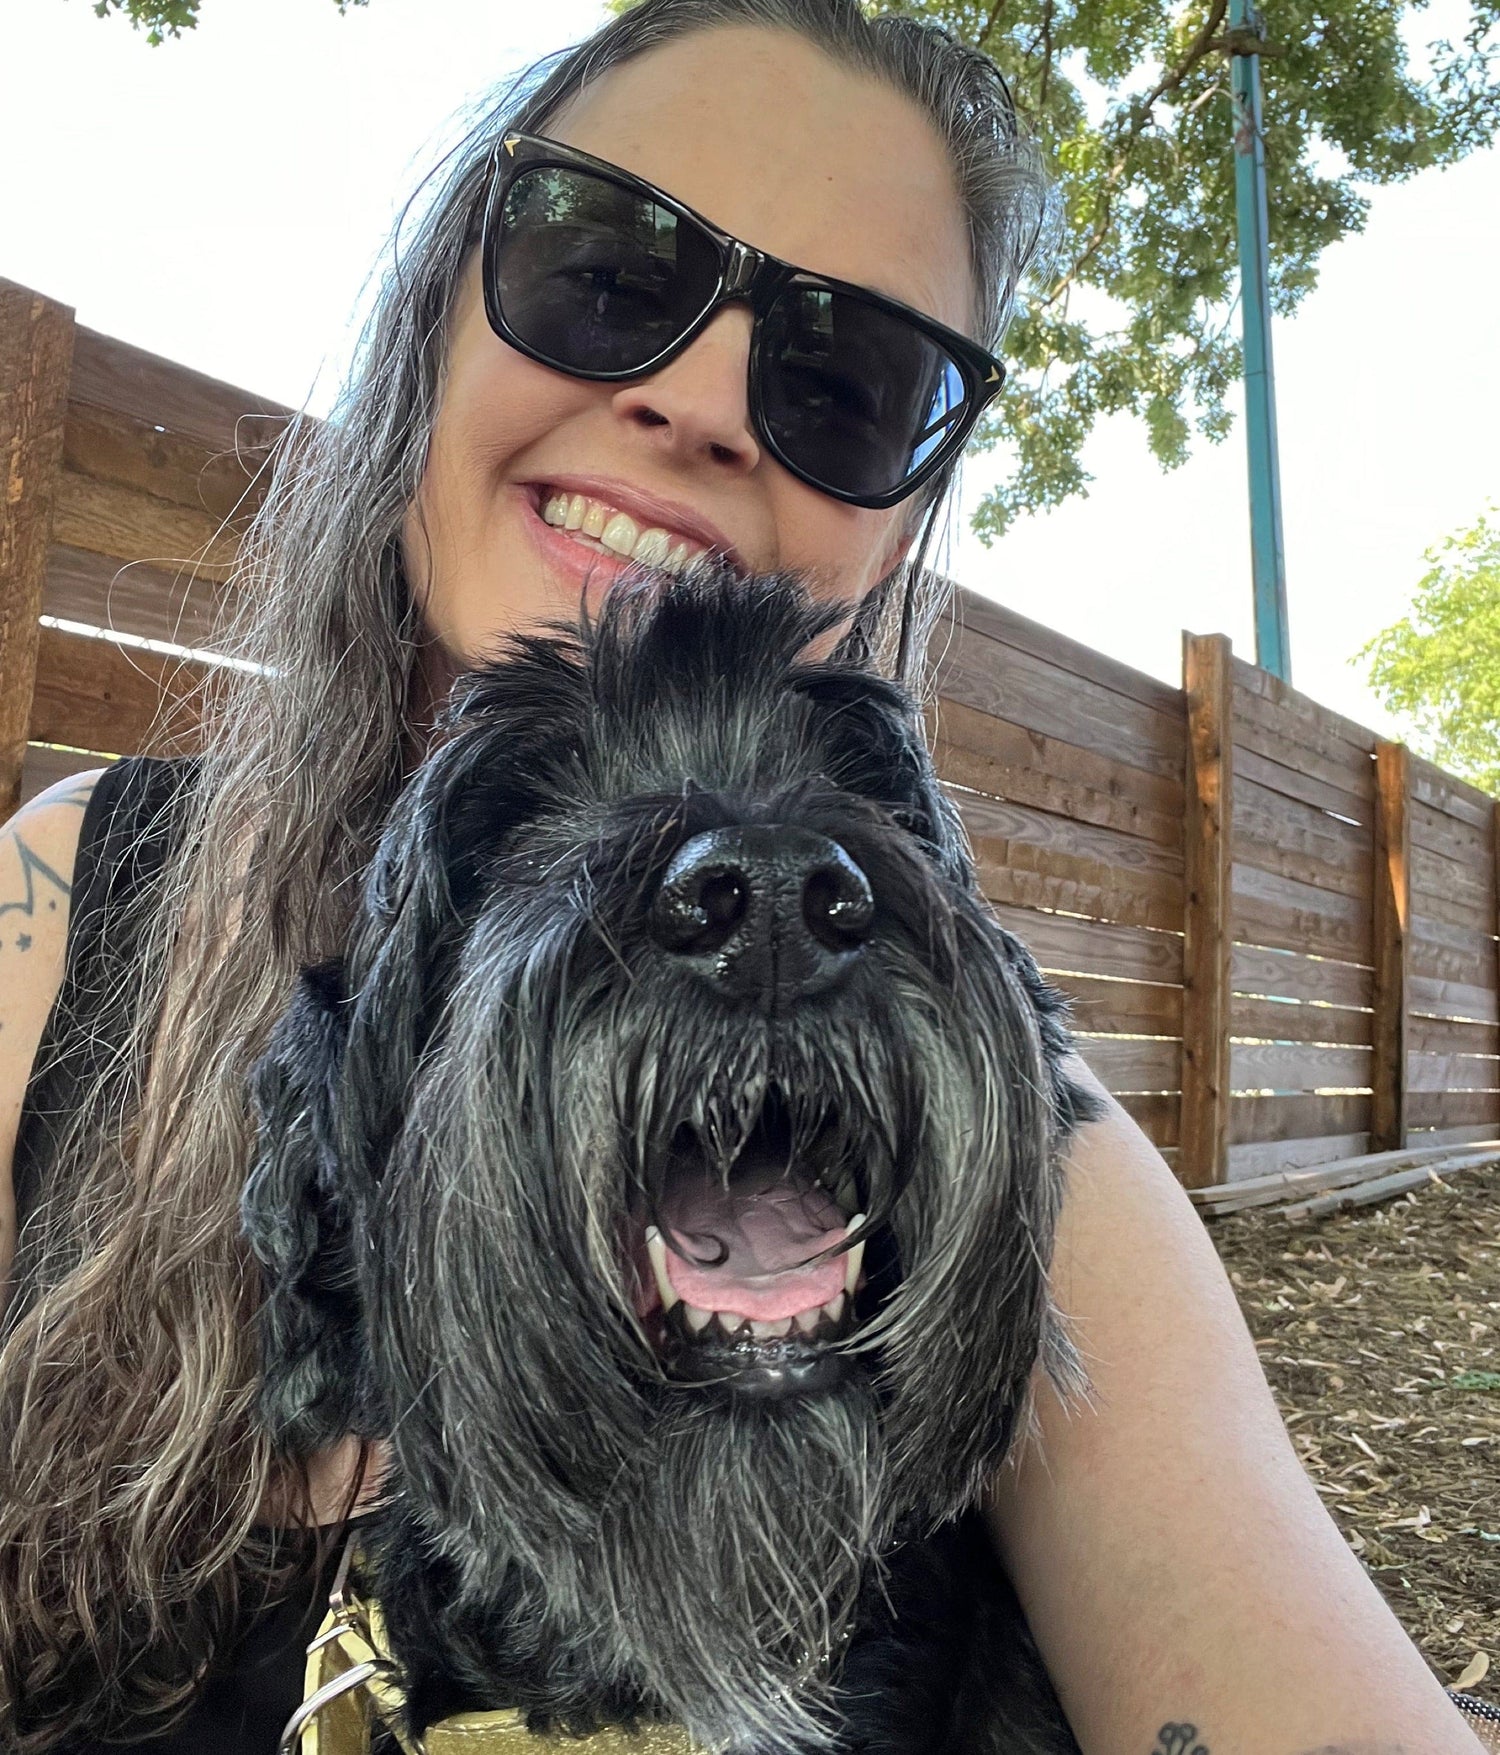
{"type": "Point", "coordinates": [852, 393]}
{"type": "Point", "coordinates": [594, 276]}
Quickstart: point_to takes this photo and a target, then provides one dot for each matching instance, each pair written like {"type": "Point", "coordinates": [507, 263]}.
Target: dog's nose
{"type": "Point", "coordinates": [765, 912]}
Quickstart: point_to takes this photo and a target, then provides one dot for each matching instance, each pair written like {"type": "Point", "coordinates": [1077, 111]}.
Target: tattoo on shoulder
{"type": "Point", "coordinates": [44, 888]}
{"type": "Point", "coordinates": [1182, 1739]}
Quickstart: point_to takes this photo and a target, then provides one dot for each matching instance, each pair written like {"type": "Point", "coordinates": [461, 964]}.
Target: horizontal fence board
{"type": "Point", "coordinates": [148, 602]}
{"type": "Point", "coordinates": [1302, 710]}
{"type": "Point", "coordinates": [1453, 999]}
{"type": "Point", "coordinates": [1276, 1021]}
{"type": "Point", "coordinates": [1267, 1157]}
{"type": "Point", "coordinates": [1452, 1072]}
{"type": "Point", "coordinates": [112, 374]}
{"type": "Point", "coordinates": [1033, 860]}
{"type": "Point", "coordinates": [1452, 796]}
{"type": "Point", "coordinates": [1296, 1118]}
{"type": "Point", "coordinates": [1308, 789]}
{"type": "Point", "coordinates": [1453, 837]}
{"type": "Point", "coordinates": [1136, 1008]}
{"type": "Point", "coordinates": [1452, 909]}
{"type": "Point", "coordinates": [1133, 1063]}
{"type": "Point", "coordinates": [1458, 880]}
{"type": "Point", "coordinates": [128, 451]}
{"type": "Point", "coordinates": [45, 765]}
{"type": "Point", "coordinates": [1439, 957]}
{"type": "Point", "coordinates": [1284, 835]}
{"type": "Point", "coordinates": [107, 519]}
{"type": "Point", "coordinates": [95, 694]}
{"type": "Point", "coordinates": [1451, 1036]}
{"type": "Point", "coordinates": [1480, 1133]}
{"type": "Point", "coordinates": [1253, 969]}
{"type": "Point", "coordinates": [1003, 760]}
{"type": "Point", "coordinates": [1260, 728]}
{"type": "Point", "coordinates": [1287, 915]}
{"type": "Point", "coordinates": [1013, 685]}
{"type": "Point", "coordinates": [1009, 628]}
{"type": "Point", "coordinates": [1284, 1066]}
{"type": "Point", "coordinates": [1158, 1117]}
{"type": "Point", "coordinates": [1453, 1108]}
{"type": "Point", "coordinates": [1090, 947]}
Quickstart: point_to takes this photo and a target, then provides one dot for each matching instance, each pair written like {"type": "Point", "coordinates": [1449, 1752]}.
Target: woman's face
{"type": "Point", "coordinates": [762, 134]}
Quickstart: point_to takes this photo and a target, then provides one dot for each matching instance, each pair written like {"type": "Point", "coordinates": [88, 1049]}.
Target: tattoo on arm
{"type": "Point", "coordinates": [1179, 1739]}
{"type": "Point", "coordinates": [44, 887]}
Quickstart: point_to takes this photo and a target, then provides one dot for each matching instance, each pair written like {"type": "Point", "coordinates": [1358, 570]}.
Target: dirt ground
{"type": "Point", "coordinates": [1379, 1329]}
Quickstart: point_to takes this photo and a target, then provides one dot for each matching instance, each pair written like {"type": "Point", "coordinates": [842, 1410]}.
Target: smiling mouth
{"type": "Point", "coordinates": [604, 529]}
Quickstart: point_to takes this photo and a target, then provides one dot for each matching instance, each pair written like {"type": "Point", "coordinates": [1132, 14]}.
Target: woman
{"type": "Point", "coordinates": [1174, 1560]}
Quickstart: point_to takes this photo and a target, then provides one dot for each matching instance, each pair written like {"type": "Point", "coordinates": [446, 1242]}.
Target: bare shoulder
{"type": "Point", "coordinates": [37, 850]}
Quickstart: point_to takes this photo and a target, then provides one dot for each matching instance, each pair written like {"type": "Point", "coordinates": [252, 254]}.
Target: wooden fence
{"type": "Point", "coordinates": [1279, 932]}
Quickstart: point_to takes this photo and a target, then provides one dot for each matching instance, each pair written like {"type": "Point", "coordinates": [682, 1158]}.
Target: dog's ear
{"type": "Point", "coordinates": [295, 1213]}
{"type": "Point", "coordinates": [873, 746]}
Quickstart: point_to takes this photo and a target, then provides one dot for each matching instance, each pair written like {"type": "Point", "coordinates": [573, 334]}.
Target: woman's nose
{"type": "Point", "coordinates": [702, 397]}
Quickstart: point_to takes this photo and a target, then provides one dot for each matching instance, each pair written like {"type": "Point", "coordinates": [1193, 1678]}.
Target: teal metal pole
{"type": "Point", "coordinates": [1273, 650]}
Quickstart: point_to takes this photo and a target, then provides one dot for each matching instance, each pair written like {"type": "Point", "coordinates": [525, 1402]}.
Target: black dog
{"type": "Point", "coordinates": [672, 993]}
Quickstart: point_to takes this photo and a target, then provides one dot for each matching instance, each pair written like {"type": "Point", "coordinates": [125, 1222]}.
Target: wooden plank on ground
{"type": "Point", "coordinates": [1207, 929]}
{"type": "Point", "coordinates": [1065, 946]}
{"type": "Point", "coordinates": [112, 374]}
{"type": "Point", "coordinates": [1275, 1184]}
{"type": "Point", "coordinates": [1392, 945]}
{"type": "Point", "coordinates": [1296, 1118]}
{"type": "Point", "coordinates": [1287, 915]}
{"type": "Point", "coordinates": [138, 599]}
{"type": "Point", "coordinates": [95, 694]}
{"type": "Point", "coordinates": [1387, 1187]}
{"type": "Point", "coordinates": [1135, 1008]}
{"type": "Point", "coordinates": [1004, 760]}
{"type": "Point", "coordinates": [1254, 969]}
{"type": "Point", "coordinates": [36, 352]}
{"type": "Point", "coordinates": [1274, 1158]}
{"type": "Point", "coordinates": [1012, 685]}
{"type": "Point", "coordinates": [1296, 783]}
{"type": "Point", "coordinates": [1288, 1066]}
{"type": "Point", "coordinates": [1274, 1020]}
{"type": "Point", "coordinates": [1133, 1063]}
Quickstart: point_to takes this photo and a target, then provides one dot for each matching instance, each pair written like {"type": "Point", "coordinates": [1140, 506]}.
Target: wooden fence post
{"type": "Point", "coordinates": [1208, 801]}
{"type": "Point", "coordinates": [36, 362]}
{"type": "Point", "coordinates": [1392, 922]}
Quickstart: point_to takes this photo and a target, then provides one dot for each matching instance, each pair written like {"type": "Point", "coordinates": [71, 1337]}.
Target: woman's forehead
{"type": "Point", "coordinates": [764, 134]}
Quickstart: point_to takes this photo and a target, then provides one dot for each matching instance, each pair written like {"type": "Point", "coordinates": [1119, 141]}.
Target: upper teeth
{"type": "Point", "coordinates": [620, 532]}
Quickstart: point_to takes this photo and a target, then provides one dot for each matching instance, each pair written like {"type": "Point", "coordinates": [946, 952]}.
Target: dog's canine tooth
{"type": "Point", "coordinates": [834, 1308]}
{"type": "Point", "coordinates": [657, 1250]}
{"type": "Point", "coordinates": [697, 1320]}
{"type": "Point", "coordinates": [855, 1257]}
{"type": "Point", "coordinates": [807, 1320]}
{"type": "Point", "coordinates": [768, 1330]}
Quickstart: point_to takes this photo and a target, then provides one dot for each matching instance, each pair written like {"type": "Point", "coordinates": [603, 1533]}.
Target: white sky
{"type": "Point", "coordinates": [221, 200]}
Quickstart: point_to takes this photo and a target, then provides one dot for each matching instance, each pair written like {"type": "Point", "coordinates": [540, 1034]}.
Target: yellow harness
{"type": "Point", "coordinates": [351, 1685]}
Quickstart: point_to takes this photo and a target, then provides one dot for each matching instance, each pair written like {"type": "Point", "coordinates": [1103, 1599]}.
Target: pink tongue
{"type": "Point", "coordinates": [767, 1225]}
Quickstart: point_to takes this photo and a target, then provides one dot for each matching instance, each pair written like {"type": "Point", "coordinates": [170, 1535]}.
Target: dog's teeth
{"type": "Point", "coordinates": [658, 1253]}
{"type": "Point", "coordinates": [807, 1321]}
{"type": "Point", "coordinates": [855, 1257]}
{"type": "Point", "coordinates": [766, 1330]}
{"type": "Point", "coordinates": [834, 1308]}
{"type": "Point", "coordinates": [697, 1320]}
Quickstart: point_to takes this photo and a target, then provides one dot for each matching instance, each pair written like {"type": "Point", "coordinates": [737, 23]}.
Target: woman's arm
{"type": "Point", "coordinates": [1175, 1563]}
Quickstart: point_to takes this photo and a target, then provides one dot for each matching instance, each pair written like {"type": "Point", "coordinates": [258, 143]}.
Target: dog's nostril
{"type": "Point", "coordinates": [837, 903]}
{"type": "Point", "coordinates": [766, 912]}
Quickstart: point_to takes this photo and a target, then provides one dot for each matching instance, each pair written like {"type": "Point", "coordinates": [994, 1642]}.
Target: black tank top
{"type": "Point", "coordinates": [124, 838]}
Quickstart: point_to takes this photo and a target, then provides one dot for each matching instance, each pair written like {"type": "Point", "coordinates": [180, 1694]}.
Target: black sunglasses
{"type": "Point", "coordinates": [602, 275]}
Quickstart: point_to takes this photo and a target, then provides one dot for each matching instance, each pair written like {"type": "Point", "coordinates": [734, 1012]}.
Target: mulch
{"type": "Point", "coordinates": [1379, 1330]}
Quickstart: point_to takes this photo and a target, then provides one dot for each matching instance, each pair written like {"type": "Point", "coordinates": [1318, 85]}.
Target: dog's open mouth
{"type": "Point", "coordinates": [736, 1283]}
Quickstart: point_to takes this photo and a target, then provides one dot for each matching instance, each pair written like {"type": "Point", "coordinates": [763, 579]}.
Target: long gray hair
{"type": "Point", "coordinates": [133, 1476]}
